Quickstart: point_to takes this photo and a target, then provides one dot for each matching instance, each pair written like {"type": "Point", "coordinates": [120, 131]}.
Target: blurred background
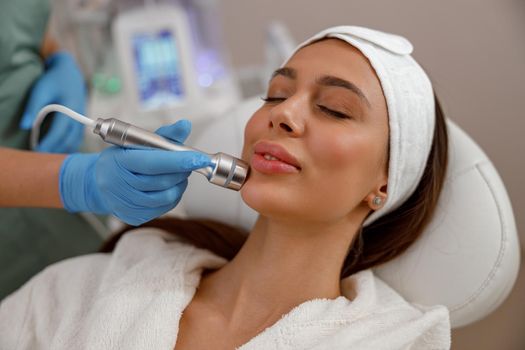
{"type": "Point", "coordinates": [473, 50]}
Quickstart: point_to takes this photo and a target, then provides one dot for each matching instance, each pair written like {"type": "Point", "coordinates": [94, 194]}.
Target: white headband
{"type": "Point", "coordinates": [410, 102]}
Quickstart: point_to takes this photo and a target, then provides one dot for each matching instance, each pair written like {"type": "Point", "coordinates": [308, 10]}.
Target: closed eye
{"type": "Point", "coordinates": [333, 113]}
{"type": "Point", "coordinates": [273, 99]}
{"type": "Point", "coordinates": [324, 109]}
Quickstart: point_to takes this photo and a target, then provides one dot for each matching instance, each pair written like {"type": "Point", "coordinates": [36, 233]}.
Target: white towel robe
{"type": "Point", "coordinates": [134, 298]}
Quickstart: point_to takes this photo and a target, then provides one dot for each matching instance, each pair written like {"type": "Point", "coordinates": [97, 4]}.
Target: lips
{"type": "Point", "coordinates": [267, 150]}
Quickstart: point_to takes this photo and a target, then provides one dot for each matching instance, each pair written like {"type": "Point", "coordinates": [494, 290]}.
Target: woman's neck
{"type": "Point", "coordinates": [280, 266]}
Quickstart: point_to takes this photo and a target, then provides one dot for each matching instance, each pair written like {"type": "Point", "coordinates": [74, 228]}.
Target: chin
{"type": "Point", "coordinates": [268, 199]}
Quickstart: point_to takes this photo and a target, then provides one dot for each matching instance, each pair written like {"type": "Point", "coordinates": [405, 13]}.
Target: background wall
{"type": "Point", "coordinates": [474, 51]}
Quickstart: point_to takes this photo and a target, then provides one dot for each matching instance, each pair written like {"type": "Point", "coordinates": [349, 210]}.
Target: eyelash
{"type": "Point", "coordinates": [333, 113]}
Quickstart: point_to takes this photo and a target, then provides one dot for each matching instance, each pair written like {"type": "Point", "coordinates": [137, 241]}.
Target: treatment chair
{"type": "Point", "coordinates": [468, 257]}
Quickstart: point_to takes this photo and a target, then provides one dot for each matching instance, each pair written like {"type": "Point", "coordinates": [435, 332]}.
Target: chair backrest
{"type": "Point", "coordinates": [468, 257]}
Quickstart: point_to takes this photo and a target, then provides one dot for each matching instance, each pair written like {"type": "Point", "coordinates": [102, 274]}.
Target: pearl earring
{"type": "Point", "coordinates": [378, 201]}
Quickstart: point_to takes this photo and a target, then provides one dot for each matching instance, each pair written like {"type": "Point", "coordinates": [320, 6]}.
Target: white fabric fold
{"type": "Point", "coordinates": [133, 299]}
{"type": "Point", "coordinates": [410, 102]}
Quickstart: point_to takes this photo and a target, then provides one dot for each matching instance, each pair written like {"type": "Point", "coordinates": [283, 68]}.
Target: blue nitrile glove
{"type": "Point", "coordinates": [134, 185]}
{"type": "Point", "coordinates": [61, 83]}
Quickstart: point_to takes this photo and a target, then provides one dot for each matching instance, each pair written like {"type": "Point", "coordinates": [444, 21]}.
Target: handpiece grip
{"type": "Point", "coordinates": [227, 171]}
{"type": "Point", "coordinates": [123, 134]}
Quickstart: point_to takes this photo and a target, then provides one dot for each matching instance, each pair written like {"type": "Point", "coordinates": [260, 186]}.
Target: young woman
{"type": "Point", "coordinates": [348, 155]}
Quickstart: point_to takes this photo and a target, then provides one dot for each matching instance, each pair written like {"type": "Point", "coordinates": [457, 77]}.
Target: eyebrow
{"type": "Point", "coordinates": [285, 71]}
{"type": "Point", "coordinates": [326, 80]}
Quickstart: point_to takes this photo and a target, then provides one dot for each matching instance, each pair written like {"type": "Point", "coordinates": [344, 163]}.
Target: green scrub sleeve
{"type": "Point", "coordinates": [23, 24]}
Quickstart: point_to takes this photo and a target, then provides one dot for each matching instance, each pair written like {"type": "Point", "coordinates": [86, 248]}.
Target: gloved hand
{"type": "Point", "coordinates": [61, 83]}
{"type": "Point", "coordinates": [134, 185]}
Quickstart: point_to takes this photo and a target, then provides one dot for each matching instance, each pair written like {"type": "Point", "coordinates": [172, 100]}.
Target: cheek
{"type": "Point", "coordinates": [344, 170]}
{"type": "Point", "coordinates": [252, 131]}
{"type": "Point", "coordinates": [337, 151]}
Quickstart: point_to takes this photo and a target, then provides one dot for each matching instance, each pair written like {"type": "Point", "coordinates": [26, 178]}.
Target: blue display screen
{"type": "Point", "coordinates": [158, 69]}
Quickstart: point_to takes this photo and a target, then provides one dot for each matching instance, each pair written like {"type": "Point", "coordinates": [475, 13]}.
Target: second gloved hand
{"type": "Point", "coordinates": [134, 185]}
{"type": "Point", "coordinates": [61, 83]}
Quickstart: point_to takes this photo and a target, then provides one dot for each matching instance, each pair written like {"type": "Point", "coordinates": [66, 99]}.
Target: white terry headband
{"type": "Point", "coordinates": [410, 102]}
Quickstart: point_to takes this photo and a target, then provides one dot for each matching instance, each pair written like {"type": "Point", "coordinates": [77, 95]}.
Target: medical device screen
{"type": "Point", "coordinates": [158, 68]}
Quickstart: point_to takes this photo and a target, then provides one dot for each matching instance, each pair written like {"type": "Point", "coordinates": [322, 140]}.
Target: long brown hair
{"type": "Point", "coordinates": [383, 240]}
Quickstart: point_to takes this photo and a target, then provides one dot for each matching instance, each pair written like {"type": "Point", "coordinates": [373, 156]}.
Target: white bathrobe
{"type": "Point", "coordinates": [134, 298]}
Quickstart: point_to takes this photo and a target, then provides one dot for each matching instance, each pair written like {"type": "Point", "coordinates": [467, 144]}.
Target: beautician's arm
{"type": "Point", "coordinates": [29, 179]}
{"type": "Point", "coordinates": [134, 185]}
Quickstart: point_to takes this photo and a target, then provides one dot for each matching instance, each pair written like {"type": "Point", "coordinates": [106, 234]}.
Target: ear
{"type": "Point", "coordinates": [376, 199]}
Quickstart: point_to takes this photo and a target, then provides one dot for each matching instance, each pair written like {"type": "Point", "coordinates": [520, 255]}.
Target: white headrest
{"type": "Point", "coordinates": [468, 257]}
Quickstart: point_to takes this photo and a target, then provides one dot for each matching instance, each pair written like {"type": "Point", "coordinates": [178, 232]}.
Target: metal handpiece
{"type": "Point", "coordinates": [227, 171]}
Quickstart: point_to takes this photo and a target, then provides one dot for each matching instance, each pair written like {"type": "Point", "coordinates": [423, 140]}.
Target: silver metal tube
{"type": "Point", "coordinates": [226, 171]}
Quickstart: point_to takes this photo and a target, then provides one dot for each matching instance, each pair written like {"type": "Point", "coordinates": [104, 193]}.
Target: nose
{"type": "Point", "coordinates": [288, 117]}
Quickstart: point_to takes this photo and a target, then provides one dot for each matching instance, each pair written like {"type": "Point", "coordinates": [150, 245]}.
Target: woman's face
{"type": "Point", "coordinates": [318, 146]}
